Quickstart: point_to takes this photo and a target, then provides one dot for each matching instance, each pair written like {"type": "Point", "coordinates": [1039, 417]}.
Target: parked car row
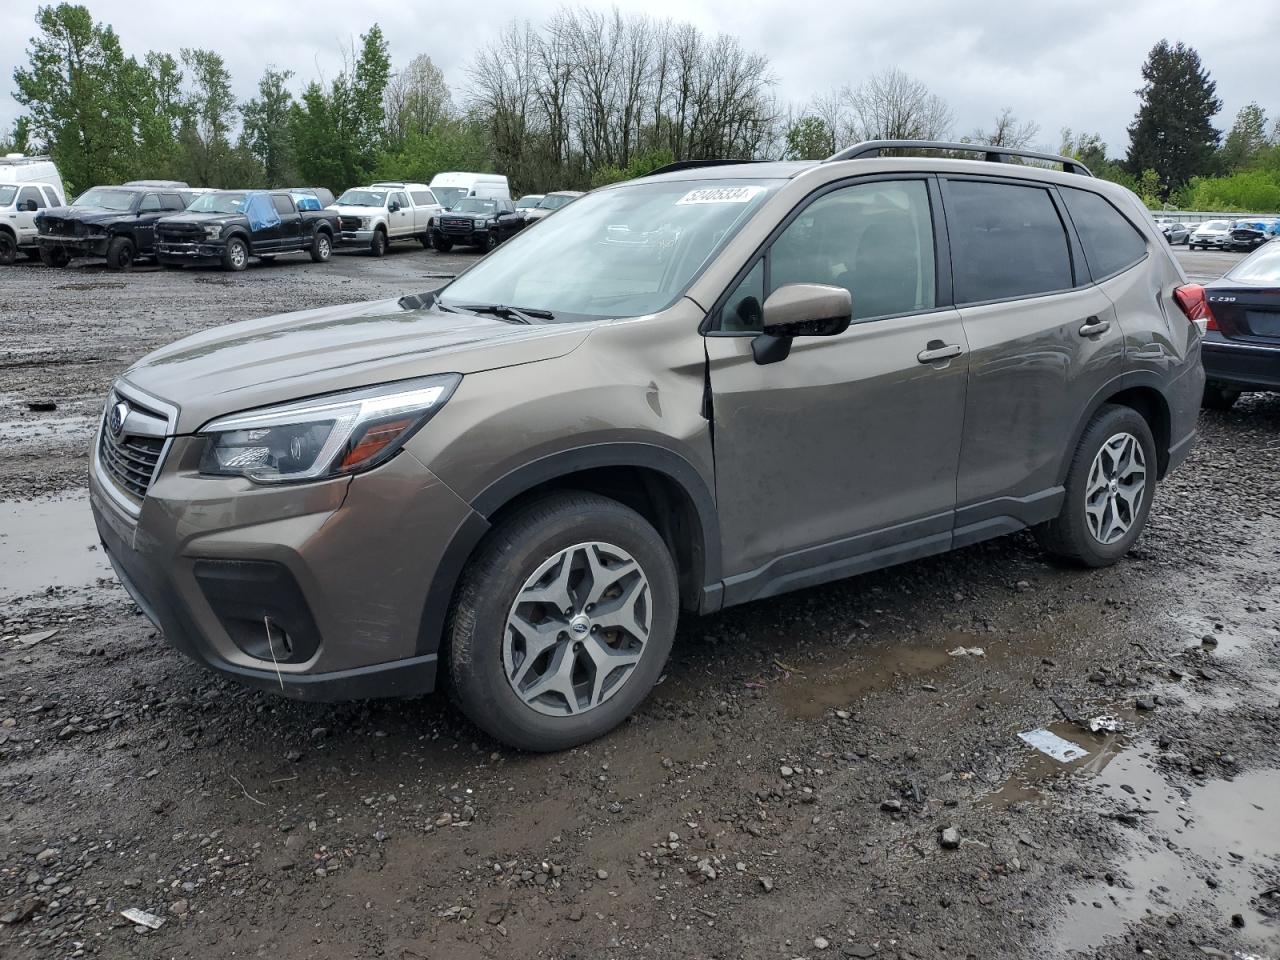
{"type": "Point", "coordinates": [1232, 234]}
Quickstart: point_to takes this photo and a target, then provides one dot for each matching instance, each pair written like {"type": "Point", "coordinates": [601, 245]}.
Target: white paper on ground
{"type": "Point", "coordinates": [1053, 745]}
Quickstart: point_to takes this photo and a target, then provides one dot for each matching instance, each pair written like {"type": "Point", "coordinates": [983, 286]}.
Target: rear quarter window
{"type": "Point", "coordinates": [1007, 241]}
{"type": "Point", "coordinates": [1111, 243]}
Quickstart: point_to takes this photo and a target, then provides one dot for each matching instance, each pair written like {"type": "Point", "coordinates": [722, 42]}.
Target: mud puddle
{"type": "Point", "coordinates": [47, 428]}
{"type": "Point", "coordinates": [48, 542]}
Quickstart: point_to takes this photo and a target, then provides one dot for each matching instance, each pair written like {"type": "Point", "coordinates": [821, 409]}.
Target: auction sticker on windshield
{"type": "Point", "coordinates": [721, 195]}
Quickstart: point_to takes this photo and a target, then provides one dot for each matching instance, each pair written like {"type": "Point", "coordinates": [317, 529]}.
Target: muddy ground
{"type": "Point", "coordinates": [785, 793]}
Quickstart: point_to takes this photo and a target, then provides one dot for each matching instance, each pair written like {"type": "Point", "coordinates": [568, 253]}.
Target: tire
{"type": "Point", "coordinates": [378, 245]}
{"type": "Point", "coordinates": [580, 527]}
{"type": "Point", "coordinates": [443, 244]}
{"type": "Point", "coordinates": [1071, 535]}
{"type": "Point", "coordinates": [121, 253]}
{"type": "Point", "coordinates": [490, 241]}
{"type": "Point", "coordinates": [426, 241]}
{"type": "Point", "coordinates": [8, 248]}
{"type": "Point", "coordinates": [1218, 397]}
{"type": "Point", "coordinates": [235, 256]}
{"type": "Point", "coordinates": [321, 247]}
{"type": "Point", "coordinates": [54, 256]}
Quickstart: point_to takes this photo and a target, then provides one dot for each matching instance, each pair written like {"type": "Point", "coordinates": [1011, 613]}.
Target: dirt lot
{"type": "Point", "coordinates": [789, 791]}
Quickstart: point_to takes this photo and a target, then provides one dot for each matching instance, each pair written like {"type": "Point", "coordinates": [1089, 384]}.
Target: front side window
{"type": "Point", "coordinates": [401, 199]}
{"type": "Point", "coordinates": [626, 251]}
{"type": "Point", "coordinates": [31, 193]}
{"type": "Point", "coordinates": [1111, 243]}
{"type": "Point", "coordinates": [150, 204]}
{"type": "Point", "coordinates": [1007, 240]}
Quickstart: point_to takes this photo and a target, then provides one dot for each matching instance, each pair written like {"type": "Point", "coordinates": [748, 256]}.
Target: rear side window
{"type": "Point", "coordinates": [54, 199]}
{"type": "Point", "coordinates": [422, 198]}
{"type": "Point", "coordinates": [1007, 241]}
{"type": "Point", "coordinates": [1111, 243]}
{"type": "Point", "coordinates": [283, 205]}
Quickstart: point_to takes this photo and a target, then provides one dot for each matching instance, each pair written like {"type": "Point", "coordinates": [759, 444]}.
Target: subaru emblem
{"type": "Point", "coordinates": [118, 414]}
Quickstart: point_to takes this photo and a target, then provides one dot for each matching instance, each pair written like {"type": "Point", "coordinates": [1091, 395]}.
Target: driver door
{"type": "Point", "coordinates": [844, 456]}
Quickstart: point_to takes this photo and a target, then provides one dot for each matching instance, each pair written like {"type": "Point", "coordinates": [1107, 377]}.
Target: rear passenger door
{"type": "Point", "coordinates": [842, 456]}
{"type": "Point", "coordinates": [290, 223]}
{"type": "Point", "coordinates": [1042, 340]}
{"type": "Point", "coordinates": [144, 231]}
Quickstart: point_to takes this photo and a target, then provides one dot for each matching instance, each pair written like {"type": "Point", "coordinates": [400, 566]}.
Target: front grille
{"type": "Point", "coordinates": [456, 225]}
{"type": "Point", "coordinates": [130, 460]}
{"type": "Point", "coordinates": [62, 227]}
{"type": "Point", "coordinates": [350, 223]}
{"type": "Point", "coordinates": [179, 232]}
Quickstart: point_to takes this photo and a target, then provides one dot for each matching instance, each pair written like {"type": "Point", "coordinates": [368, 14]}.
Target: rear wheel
{"type": "Point", "coordinates": [378, 245]}
{"type": "Point", "coordinates": [562, 622]}
{"type": "Point", "coordinates": [1218, 397]}
{"type": "Point", "coordinates": [1110, 485]}
{"type": "Point", "coordinates": [321, 247]}
{"type": "Point", "coordinates": [121, 253]}
{"type": "Point", "coordinates": [8, 248]}
{"type": "Point", "coordinates": [235, 256]}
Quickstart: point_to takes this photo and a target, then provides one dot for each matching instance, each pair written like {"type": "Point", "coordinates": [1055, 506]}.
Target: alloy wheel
{"type": "Point", "coordinates": [577, 629]}
{"type": "Point", "coordinates": [1117, 483]}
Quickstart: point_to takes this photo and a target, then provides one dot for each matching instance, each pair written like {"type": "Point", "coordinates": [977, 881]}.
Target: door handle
{"type": "Point", "coordinates": [1094, 326]}
{"type": "Point", "coordinates": [937, 350]}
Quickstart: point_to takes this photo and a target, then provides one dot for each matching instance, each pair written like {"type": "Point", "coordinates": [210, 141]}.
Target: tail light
{"type": "Point", "coordinates": [1195, 304]}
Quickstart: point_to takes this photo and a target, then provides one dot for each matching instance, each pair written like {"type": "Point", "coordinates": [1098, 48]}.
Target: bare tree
{"type": "Point", "coordinates": [416, 99]}
{"type": "Point", "coordinates": [1007, 131]}
{"type": "Point", "coordinates": [894, 106]}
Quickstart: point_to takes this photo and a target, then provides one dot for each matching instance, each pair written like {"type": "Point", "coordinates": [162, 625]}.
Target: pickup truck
{"type": "Point", "coordinates": [228, 227]}
{"type": "Point", "coordinates": [115, 223]}
{"type": "Point", "coordinates": [19, 204]}
{"type": "Point", "coordinates": [482, 222]}
{"type": "Point", "coordinates": [376, 215]}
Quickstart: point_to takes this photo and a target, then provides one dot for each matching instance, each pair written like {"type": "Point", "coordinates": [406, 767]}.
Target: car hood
{"type": "Point", "coordinates": [468, 215]}
{"type": "Point", "coordinates": [205, 218]}
{"type": "Point", "coordinates": [85, 214]}
{"type": "Point", "coordinates": [289, 357]}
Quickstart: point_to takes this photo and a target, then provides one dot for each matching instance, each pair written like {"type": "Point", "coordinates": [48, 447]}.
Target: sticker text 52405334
{"type": "Point", "coordinates": [721, 195]}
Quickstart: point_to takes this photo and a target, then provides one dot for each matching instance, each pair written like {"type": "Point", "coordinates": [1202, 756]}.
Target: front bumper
{"type": "Point", "coordinates": [477, 235]}
{"type": "Point", "coordinates": [75, 246]}
{"type": "Point", "coordinates": [1246, 366]}
{"type": "Point", "coordinates": [349, 563]}
{"type": "Point", "coordinates": [203, 251]}
{"type": "Point", "coordinates": [361, 237]}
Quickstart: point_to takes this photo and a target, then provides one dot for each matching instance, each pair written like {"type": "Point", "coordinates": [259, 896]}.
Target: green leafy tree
{"type": "Point", "coordinates": [1173, 132]}
{"type": "Point", "coordinates": [451, 145]}
{"type": "Point", "coordinates": [206, 128]}
{"type": "Point", "coordinates": [1246, 139]}
{"type": "Point", "coordinates": [18, 139]}
{"type": "Point", "coordinates": [79, 91]}
{"type": "Point", "coordinates": [157, 85]}
{"type": "Point", "coordinates": [268, 132]}
{"type": "Point", "coordinates": [809, 138]}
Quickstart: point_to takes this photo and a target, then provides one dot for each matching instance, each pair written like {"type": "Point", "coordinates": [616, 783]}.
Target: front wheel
{"type": "Point", "coordinates": [378, 245]}
{"type": "Point", "coordinates": [121, 253]}
{"type": "Point", "coordinates": [54, 256]}
{"type": "Point", "coordinates": [490, 241]}
{"type": "Point", "coordinates": [1109, 488]}
{"type": "Point", "coordinates": [426, 241]}
{"type": "Point", "coordinates": [562, 622]}
{"type": "Point", "coordinates": [235, 256]}
{"type": "Point", "coordinates": [443, 244]}
{"type": "Point", "coordinates": [321, 247]}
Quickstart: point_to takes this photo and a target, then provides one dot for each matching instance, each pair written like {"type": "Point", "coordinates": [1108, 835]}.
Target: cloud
{"type": "Point", "coordinates": [1058, 63]}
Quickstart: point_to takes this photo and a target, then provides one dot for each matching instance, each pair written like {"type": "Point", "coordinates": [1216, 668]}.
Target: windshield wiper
{"type": "Point", "coordinates": [510, 314]}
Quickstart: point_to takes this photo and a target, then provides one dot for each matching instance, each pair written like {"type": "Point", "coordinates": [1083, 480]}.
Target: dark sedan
{"type": "Point", "coordinates": [1249, 234]}
{"type": "Point", "coordinates": [1242, 339]}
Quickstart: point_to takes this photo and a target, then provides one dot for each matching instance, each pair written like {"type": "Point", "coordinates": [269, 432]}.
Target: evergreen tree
{"type": "Point", "coordinates": [267, 132]}
{"type": "Point", "coordinates": [1173, 133]}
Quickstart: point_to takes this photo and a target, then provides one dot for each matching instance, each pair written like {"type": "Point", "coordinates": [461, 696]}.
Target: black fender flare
{"type": "Point", "coordinates": [507, 488]}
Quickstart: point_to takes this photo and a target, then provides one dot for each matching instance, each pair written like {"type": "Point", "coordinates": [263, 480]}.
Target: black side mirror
{"type": "Point", "coordinates": [800, 310]}
{"type": "Point", "coordinates": [28, 206]}
{"type": "Point", "coordinates": [393, 206]}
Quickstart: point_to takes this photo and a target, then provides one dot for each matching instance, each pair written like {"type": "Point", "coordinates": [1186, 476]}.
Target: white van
{"type": "Point", "coordinates": [16, 168]}
{"type": "Point", "coordinates": [449, 188]}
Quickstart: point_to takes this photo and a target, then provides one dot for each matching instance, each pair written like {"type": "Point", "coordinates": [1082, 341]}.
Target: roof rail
{"type": "Point", "coordinates": [19, 159]}
{"type": "Point", "coordinates": [993, 154]}
{"type": "Point", "coordinates": [695, 164]}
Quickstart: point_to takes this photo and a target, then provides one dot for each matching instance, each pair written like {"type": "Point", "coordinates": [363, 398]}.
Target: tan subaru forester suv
{"type": "Point", "coordinates": [710, 385]}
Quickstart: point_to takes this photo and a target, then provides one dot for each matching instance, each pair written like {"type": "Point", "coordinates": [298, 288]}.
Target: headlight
{"type": "Point", "coordinates": [364, 223]}
{"type": "Point", "coordinates": [213, 233]}
{"type": "Point", "coordinates": [325, 436]}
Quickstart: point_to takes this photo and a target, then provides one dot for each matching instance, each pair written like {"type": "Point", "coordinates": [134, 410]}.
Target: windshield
{"type": "Point", "coordinates": [554, 202]}
{"type": "Point", "coordinates": [476, 205]}
{"type": "Point", "coordinates": [525, 203]}
{"type": "Point", "coordinates": [363, 198]}
{"type": "Point", "coordinates": [219, 203]}
{"type": "Point", "coordinates": [106, 198]}
{"type": "Point", "coordinates": [622, 252]}
{"type": "Point", "coordinates": [7, 194]}
{"type": "Point", "coordinates": [448, 196]}
{"type": "Point", "coordinates": [1214, 225]}
{"type": "Point", "coordinates": [1261, 268]}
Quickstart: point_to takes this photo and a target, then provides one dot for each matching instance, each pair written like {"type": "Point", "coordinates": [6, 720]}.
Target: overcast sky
{"type": "Point", "coordinates": [1058, 62]}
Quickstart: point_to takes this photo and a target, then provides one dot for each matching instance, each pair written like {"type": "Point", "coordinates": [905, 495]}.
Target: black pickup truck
{"type": "Point", "coordinates": [228, 227]}
{"type": "Point", "coordinates": [116, 223]}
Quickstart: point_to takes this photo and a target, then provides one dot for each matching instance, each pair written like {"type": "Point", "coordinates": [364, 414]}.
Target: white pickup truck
{"type": "Point", "coordinates": [380, 213]}
{"type": "Point", "coordinates": [19, 204]}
